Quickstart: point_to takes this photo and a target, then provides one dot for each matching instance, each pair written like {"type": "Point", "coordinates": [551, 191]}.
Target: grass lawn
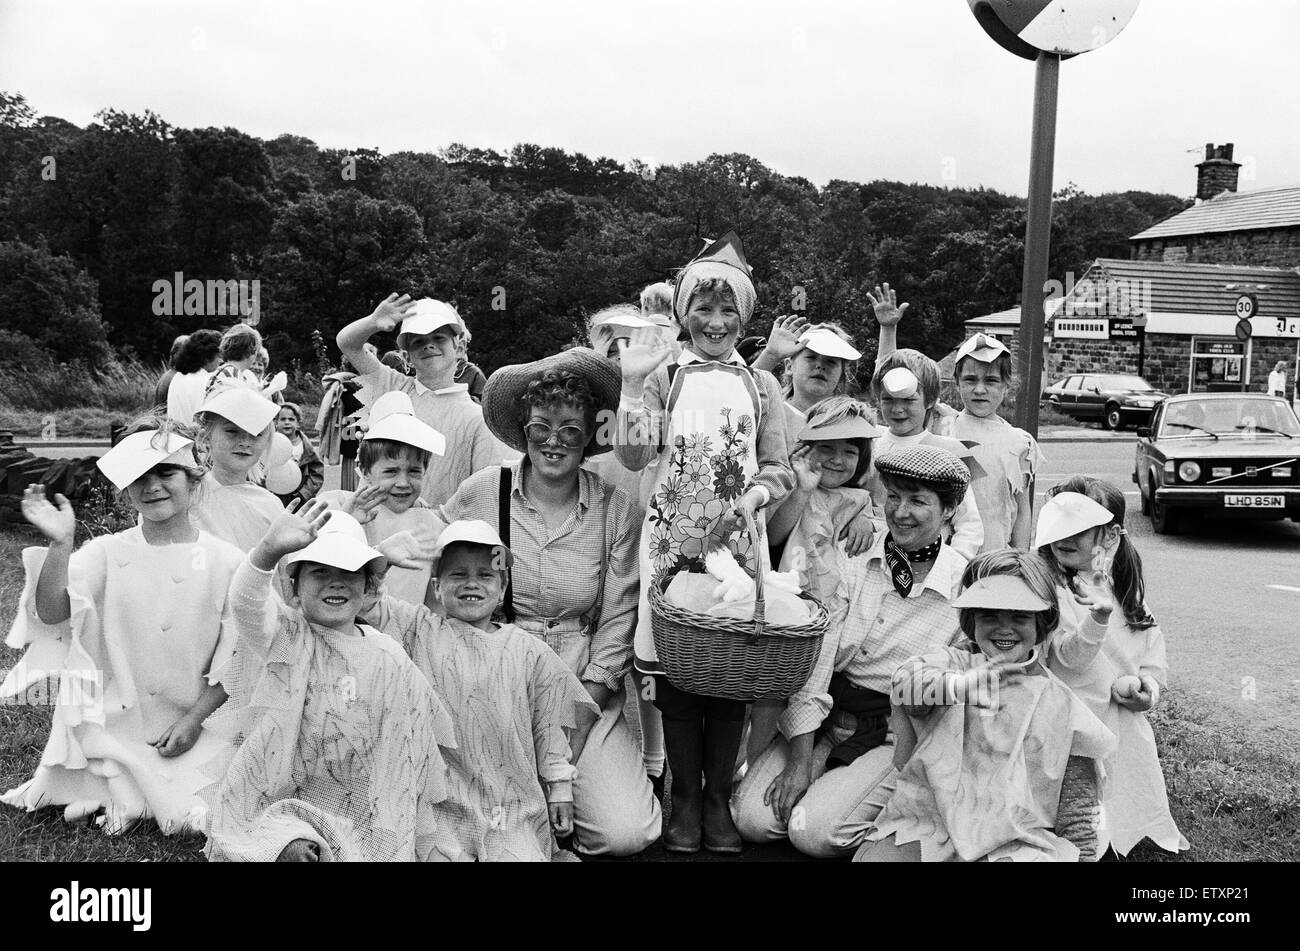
{"type": "Point", "coordinates": [1233, 799]}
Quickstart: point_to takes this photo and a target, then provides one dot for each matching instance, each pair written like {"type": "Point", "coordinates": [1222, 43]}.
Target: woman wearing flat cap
{"type": "Point", "coordinates": [573, 583]}
{"type": "Point", "coordinates": [833, 756]}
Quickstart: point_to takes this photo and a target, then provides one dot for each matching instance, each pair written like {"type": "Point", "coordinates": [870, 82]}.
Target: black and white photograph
{"type": "Point", "coordinates": [501, 432]}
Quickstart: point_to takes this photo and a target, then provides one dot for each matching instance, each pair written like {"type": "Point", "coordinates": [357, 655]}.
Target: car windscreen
{"type": "Point", "coordinates": [1127, 383]}
{"type": "Point", "coordinates": [1228, 417]}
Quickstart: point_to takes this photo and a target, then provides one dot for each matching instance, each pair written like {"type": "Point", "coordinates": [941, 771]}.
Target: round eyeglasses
{"type": "Point", "coordinates": [570, 437]}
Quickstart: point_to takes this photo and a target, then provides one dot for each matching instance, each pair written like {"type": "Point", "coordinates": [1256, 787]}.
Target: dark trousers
{"type": "Point", "coordinates": [677, 704]}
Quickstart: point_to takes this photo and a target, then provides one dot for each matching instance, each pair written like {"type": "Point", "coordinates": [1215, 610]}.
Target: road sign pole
{"type": "Point", "coordinates": [1038, 233]}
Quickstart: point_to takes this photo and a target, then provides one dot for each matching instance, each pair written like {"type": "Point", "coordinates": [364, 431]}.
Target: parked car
{"type": "Point", "coordinates": [1221, 455]}
{"type": "Point", "coordinates": [1118, 400]}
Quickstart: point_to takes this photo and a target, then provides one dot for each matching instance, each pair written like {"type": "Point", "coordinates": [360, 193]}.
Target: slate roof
{"type": "Point", "coordinates": [1232, 211]}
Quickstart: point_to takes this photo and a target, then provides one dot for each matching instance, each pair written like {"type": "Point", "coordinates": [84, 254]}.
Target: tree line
{"type": "Point", "coordinates": [526, 243]}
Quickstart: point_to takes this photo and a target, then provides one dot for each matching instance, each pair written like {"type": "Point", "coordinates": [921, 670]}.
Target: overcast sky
{"type": "Point", "coordinates": [852, 89]}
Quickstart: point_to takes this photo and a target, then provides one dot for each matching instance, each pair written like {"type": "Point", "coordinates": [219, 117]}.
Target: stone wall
{"type": "Point", "coordinates": [1264, 247]}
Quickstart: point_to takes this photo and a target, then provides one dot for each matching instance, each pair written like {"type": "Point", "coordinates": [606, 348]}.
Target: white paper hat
{"type": "Point", "coordinates": [828, 343]}
{"type": "Point", "coordinates": [393, 417]}
{"type": "Point", "coordinates": [246, 408]}
{"type": "Point", "coordinates": [982, 347]}
{"type": "Point", "coordinates": [1005, 592]}
{"type": "Point", "coordinates": [473, 532]}
{"type": "Point", "coordinates": [341, 543]}
{"type": "Point", "coordinates": [139, 452]}
{"type": "Point", "coordinates": [624, 320]}
{"type": "Point", "coordinates": [428, 316]}
{"type": "Point", "coordinates": [1066, 514]}
{"type": "Point", "coordinates": [899, 383]}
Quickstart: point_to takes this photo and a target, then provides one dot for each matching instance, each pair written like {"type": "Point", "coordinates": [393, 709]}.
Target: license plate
{"type": "Point", "coordinates": [1254, 501]}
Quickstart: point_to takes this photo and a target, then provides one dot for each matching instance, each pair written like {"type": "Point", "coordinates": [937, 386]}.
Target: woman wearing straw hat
{"type": "Point", "coordinates": [826, 776]}
{"type": "Point", "coordinates": [574, 579]}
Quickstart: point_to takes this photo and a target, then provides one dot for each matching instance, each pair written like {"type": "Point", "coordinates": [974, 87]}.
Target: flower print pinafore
{"type": "Point", "coordinates": [712, 415]}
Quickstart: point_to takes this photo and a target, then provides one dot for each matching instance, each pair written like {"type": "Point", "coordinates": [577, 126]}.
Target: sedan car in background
{"type": "Point", "coordinates": [1219, 455]}
{"type": "Point", "coordinates": [1117, 400]}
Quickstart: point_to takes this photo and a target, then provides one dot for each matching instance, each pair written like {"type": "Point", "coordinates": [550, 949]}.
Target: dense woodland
{"type": "Point", "coordinates": [525, 244]}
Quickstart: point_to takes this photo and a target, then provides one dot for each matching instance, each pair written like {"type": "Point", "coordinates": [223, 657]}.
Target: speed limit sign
{"type": "Point", "coordinates": [1246, 307]}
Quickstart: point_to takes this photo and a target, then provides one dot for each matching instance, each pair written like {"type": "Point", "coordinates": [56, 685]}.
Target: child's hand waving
{"type": "Point", "coordinates": [57, 524]}
{"type": "Point", "coordinates": [642, 354]}
{"type": "Point", "coordinates": [1091, 590]}
{"type": "Point", "coordinates": [392, 310]}
{"type": "Point", "coordinates": [783, 341]}
{"type": "Point", "coordinates": [410, 548]}
{"type": "Point", "coordinates": [364, 501]}
{"type": "Point", "coordinates": [807, 468]}
{"type": "Point", "coordinates": [884, 302]}
{"type": "Point", "coordinates": [296, 528]}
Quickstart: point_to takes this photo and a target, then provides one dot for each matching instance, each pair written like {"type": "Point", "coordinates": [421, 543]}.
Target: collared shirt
{"type": "Point", "coordinates": [876, 630]}
{"type": "Point", "coordinates": [587, 565]}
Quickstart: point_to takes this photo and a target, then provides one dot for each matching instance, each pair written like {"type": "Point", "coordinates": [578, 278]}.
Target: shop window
{"type": "Point", "coordinates": [1218, 365]}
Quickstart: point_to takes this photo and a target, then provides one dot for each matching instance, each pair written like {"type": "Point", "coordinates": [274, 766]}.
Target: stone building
{"type": "Point", "coordinates": [1171, 312]}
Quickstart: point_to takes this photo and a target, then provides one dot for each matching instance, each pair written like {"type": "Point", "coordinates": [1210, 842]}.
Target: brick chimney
{"type": "Point", "coordinates": [1218, 173]}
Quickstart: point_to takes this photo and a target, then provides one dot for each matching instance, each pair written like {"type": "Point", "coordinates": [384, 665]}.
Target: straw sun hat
{"type": "Point", "coordinates": [506, 387]}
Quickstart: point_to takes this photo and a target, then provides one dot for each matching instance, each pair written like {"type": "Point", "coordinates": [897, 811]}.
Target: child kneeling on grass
{"type": "Point", "coordinates": [337, 731]}
{"type": "Point", "coordinates": [998, 760]}
{"type": "Point", "coordinates": [512, 699]}
{"type": "Point", "coordinates": [136, 625]}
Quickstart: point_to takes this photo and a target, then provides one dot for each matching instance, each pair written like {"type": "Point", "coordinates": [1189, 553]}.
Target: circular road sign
{"type": "Point", "coordinates": [1063, 27]}
{"type": "Point", "coordinates": [1243, 330]}
{"type": "Point", "coordinates": [1246, 307]}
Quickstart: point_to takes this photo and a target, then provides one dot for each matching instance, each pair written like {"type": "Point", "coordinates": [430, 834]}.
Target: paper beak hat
{"type": "Point", "coordinates": [139, 452]}
{"type": "Point", "coordinates": [341, 543]}
{"type": "Point", "coordinates": [724, 259]}
{"type": "Point", "coordinates": [428, 316]}
{"type": "Point", "coordinates": [474, 533]}
{"type": "Point", "coordinates": [828, 343]}
{"type": "Point", "coordinates": [245, 407]}
{"type": "Point", "coordinates": [900, 383]}
{"type": "Point", "coordinates": [982, 347]}
{"type": "Point", "coordinates": [1066, 514]}
{"type": "Point", "coordinates": [1000, 592]}
{"type": "Point", "coordinates": [393, 417]}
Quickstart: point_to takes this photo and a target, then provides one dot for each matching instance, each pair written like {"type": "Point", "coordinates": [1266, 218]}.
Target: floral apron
{"type": "Point", "coordinates": [712, 415]}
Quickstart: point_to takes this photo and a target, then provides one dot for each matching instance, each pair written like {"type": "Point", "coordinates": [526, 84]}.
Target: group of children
{"type": "Point", "coordinates": [329, 678]}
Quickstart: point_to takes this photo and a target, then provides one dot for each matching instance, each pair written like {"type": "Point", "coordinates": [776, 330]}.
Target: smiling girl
{"type": "Point", "coordinates": [138, 661]}
{"type": "Point", "coordinates": [998, 760]}
{"type": "Point", "coordinates": [714, 430]}
{"type": "Point", "coordinates": [235, 433]}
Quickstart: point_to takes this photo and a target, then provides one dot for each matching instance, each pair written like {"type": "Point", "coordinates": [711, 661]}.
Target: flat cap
{"type": "Point", "coordinates": [926, 464]}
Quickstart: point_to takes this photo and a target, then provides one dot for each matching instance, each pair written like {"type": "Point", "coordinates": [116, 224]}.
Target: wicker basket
{"type": "Point", "coordinates": [737, 660]}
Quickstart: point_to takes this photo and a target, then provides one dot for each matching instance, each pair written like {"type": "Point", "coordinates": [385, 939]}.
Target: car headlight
{"type": "Point", "coordinates": [1189, 471]}
{"type": "Point", "coordinates": [1144, 404]}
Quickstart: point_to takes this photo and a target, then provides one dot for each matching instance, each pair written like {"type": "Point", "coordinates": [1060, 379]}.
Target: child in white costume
{"type": "Point", "coordinates": [337, 732]}
{"type": "Point", "coordinates": [512, 699]}
{"type": "Point", "coordinates": [394, 458]}
{"type": "Point", "coordinates": [1009, 456]}
{"type": "Point", "coordinates": [137, 626]}
{"type": "Point", "coordinates": [998, 760]}
{"type": "Point", "coordinates": [235, 427]}
{"type": "Point", "coordinates": [1121, 673]}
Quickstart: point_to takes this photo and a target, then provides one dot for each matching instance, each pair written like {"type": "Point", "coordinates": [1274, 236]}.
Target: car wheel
{"type": "Point", "coordinates": [1113, 418]}
{"type": "Point", "coordinates": [1146, 502]}
{"type": "Point", "coordinates": [1164, 519]}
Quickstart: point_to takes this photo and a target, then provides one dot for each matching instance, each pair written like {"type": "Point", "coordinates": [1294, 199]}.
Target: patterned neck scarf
{"type": "Point", "coordinates": [899, 562]}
